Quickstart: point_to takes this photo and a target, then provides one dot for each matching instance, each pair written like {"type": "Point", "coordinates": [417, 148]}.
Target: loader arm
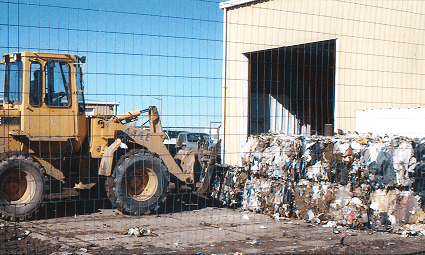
{"type": "Point", "coordinates": [154, 143]}
{"type": "Point", "coordinates": [107, 135]}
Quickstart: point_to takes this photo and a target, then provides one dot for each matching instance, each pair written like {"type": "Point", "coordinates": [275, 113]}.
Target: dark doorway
{"type": "Point", "coordinates": [292, 89]}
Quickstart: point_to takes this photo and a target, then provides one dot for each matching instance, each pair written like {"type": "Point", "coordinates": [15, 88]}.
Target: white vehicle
{"type": "Point", "coordinates": [170, 140]}
{"type": "Point", "coordinates": [193, 140]}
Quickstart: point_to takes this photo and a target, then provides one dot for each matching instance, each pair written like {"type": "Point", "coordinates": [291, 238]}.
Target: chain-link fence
{"type": "Point", "coordinates": [208, 127]}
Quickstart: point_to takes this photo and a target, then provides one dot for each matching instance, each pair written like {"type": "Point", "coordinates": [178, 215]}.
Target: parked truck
{"type": "Point", "coordinates": [49, 148]}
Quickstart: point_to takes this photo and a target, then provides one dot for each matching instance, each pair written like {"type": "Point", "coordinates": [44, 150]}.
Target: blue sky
{"type": "Point", "coordinates": [137, 51]}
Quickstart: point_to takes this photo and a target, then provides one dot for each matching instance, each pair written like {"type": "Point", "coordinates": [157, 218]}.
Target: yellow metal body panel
{"type": "Point", "coordinates": [43, 123]}
{"type": "Point", "coordinates": [9, 121]}
{"type": "Point", "coordinates": [105, 167]}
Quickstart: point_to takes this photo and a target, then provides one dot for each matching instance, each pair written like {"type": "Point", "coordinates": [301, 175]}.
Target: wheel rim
{"type": "Point", "coordinates": [142, 183]}
{"type": "Point", "coordinates": [18, 187]}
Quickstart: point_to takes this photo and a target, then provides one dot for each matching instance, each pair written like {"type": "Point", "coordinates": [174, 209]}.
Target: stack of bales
{"type": "Point", "coordinates": [353, 180]}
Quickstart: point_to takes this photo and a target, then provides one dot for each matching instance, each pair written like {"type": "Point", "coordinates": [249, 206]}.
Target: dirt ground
{"type": "Point", "coordinates": [185, 226]}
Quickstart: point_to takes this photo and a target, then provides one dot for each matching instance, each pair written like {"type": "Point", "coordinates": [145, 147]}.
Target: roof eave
{"type": "Point", "coordinates": [233, 3]}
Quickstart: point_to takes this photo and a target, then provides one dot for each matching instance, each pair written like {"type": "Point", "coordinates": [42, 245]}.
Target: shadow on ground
{"type": "Point", "coordinates": [85, 205]}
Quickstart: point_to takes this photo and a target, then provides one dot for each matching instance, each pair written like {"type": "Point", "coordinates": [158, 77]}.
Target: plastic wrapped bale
{"type": "Point", "coordinates": [347, 208]}
{"type": "Point", "coordinates": [356, 213]}
{"type": "Point", "coordinates": [362, 191]}
{"type": "Point", "coordinates": [255, 194]}
{"type": "Point", "coordinates": [331, 163]}
{"type": "Point", "coordinates": [280, 199]}
{"type": "Point", "coordinates": [312, 200]}
{"type": "Point", "coordinates": [406, 209]}
{"type": "Point", "coordinates": [389, 162]}
{"type": "Point", "coordinates": [272, 154]}
{"type": "Point", "coordinates": [317, 178]}
{"type": "Point", "coordinates": [394, 208]}
{"type": "Point", "coordinates": [378, 159]}
{"type": "Point", "coordinates": [312, 150]}
{"type": "Point", "coordinates": [380, 203]}
{"type": "Point", "coordinates": [251, 152]}
{"type": "Point", "coordinates": [336, 159]}
{"type": "Point", "coordinates": [228, 186]}
{"type": "Point", "coordinates": [419, 175]}
{"type": "Point", "coordinates": [404, 162]}
{"type": "Point", "coordinates": [317, 172]}
{"type": "Point", "coordinates": [343, 158]}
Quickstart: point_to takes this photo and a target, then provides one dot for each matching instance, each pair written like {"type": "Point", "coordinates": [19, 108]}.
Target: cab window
{"type": "Point", "coordinates": [35, 84]}
{"type": "Point", "coordinates": [81, 104]}
{"type": "Point", "coordinates": [13, 83]}
{"type": "Point", "coordinates": [57, 84]}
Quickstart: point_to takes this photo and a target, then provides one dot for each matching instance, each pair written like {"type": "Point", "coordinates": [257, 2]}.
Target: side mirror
{"type": "Point", "coordinates": [83, 59]}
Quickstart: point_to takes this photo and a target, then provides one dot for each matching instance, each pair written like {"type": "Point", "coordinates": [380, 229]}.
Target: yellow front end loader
{"type": "Point", "coordinates": [50, 149]}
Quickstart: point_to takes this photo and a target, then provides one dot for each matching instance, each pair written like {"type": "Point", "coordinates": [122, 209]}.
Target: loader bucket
{"type": "Point", "coordinates": [208, 171]}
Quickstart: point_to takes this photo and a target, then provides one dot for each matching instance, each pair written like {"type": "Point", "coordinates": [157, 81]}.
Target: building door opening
{"type": "Point", "coordinates": [292, 89]}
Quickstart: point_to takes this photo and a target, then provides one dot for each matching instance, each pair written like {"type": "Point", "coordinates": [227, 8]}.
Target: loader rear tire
{"type": "Point", "coordinates": [139, 184]}
{"type": "Point", "coordinates": [22, 187]}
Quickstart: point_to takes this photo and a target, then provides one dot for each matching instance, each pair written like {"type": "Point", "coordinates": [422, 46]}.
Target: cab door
{"type": "Point", "coordinates": [50, 113]}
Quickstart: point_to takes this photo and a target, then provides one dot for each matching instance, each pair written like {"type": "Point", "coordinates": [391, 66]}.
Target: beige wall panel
{"type": "Point", "coordinates": [380, 56]}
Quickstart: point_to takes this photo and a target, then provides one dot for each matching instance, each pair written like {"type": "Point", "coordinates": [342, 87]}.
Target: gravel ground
{"type": "Point", "coordinates": [187, 227]}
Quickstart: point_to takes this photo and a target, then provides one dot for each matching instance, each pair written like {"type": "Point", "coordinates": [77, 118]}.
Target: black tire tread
{"type": "Point", "coordinates": [5, 158]}
{"type": "Point", "coordinates": [110, 186]}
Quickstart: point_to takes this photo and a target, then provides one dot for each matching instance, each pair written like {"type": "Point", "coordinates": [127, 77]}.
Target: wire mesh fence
{"type": "Point", "coordinates": [209, 127]}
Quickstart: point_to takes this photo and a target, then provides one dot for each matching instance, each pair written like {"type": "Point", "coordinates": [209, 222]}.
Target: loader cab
{"type": "Point", "coordinates": [46, 91]}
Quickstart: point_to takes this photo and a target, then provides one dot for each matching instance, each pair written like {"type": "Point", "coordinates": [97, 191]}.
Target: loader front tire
{"type": "Point", "coordinates": [22, 187]}
{"type": "Point", "coordinates": [139, 184]}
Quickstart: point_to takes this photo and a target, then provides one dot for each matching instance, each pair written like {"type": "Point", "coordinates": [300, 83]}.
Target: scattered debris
{"type": "Point", "coordinates": [18, 236]}
{"type": "Point", "coordinates": [335, 230]}
{"type": "Point", "coordinates": [330, 224]}
{"type": "Point", "coordinates": [206, 224]}
{"type": "Point", "coordinates": [136, 231]}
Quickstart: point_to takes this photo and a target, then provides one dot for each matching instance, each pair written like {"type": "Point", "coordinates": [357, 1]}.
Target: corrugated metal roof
{"type": "Point", "coordinates": [232, 3]}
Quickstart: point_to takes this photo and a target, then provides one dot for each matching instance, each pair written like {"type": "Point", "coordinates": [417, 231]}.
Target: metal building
{"type": "Point", "coordinates": [298, 66]}
{"type": "Point", "coordinates": [101, 108]}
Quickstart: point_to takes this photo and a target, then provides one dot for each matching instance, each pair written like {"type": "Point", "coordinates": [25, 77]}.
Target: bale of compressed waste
{"type": "Point", "coordinates": [228, 185]}
{"type": "Point", "coordinates": [353, 180]}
